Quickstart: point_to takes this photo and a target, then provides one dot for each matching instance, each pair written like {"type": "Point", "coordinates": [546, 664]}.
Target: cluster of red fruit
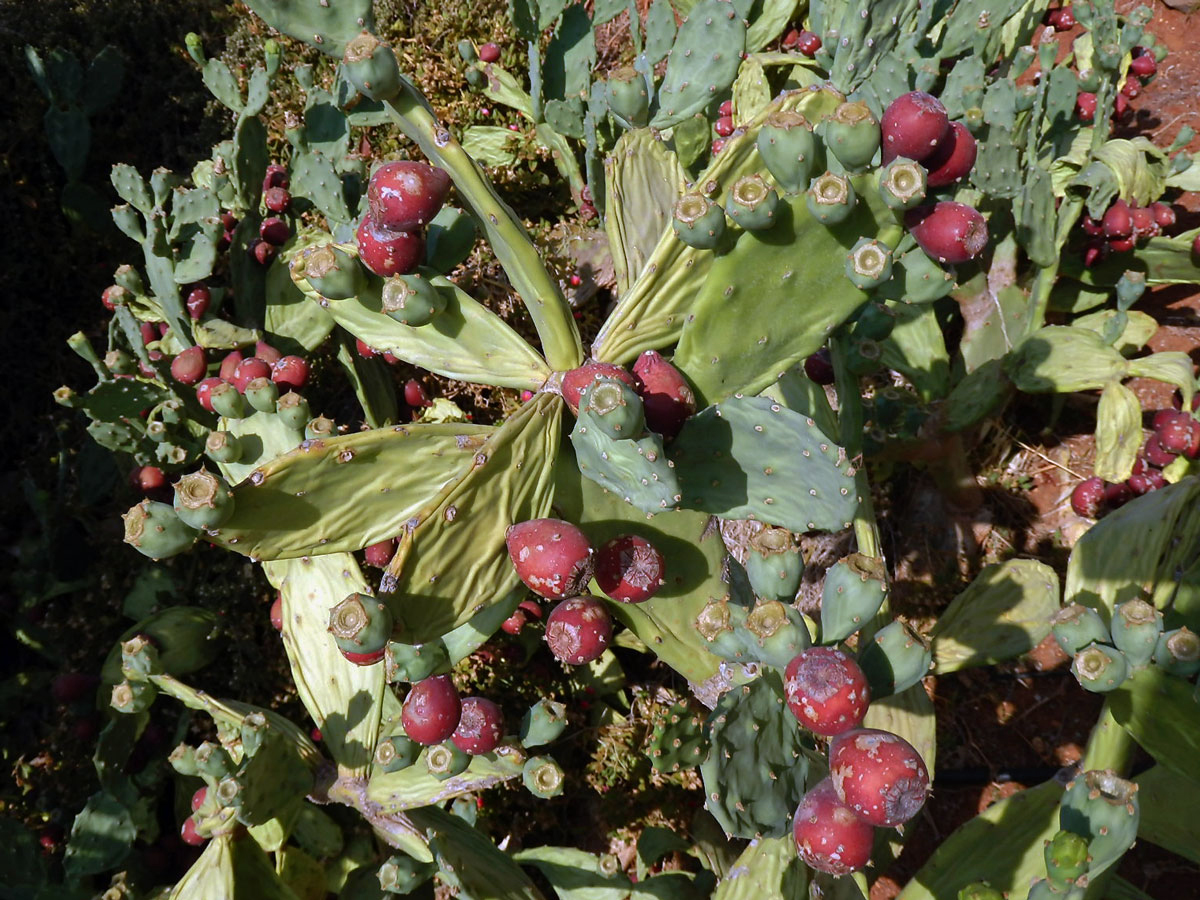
{"type": "Point", "coordinates": [402, 198]}
{"type": "Point", "coordinates": [806, 43]}
{"type": "Point", "coordinates": [1141, 69]}
{"type": "Point", "coordinates": [273, 231]}
{"type": "Point", "coordinates": [1122, 227]}
{"type": "Point", "coordinates": [1175, 434]}
{"type": "Point", "coordinates": [288, 373]}
{"type": "Point", "coordinates": [876, 778]}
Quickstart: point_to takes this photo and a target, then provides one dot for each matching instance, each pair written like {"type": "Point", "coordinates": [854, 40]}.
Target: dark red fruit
{"type": "Point", "coordinates": [1120, 245]}
{"type": "Point", "coordinates": [1144, 225]}
{"type": "Point", "coordinates": [189, 366]}
{"type": "Point", "coordinates": [86, 727]}
{"type": "Point", "coordinates": [228, 220]}
{"type": "Point", "coordinates": [267, 353]}
{"type": "Point", "coordinates": [1131, 87]}
{"type": "Point", "coordinates": [1157, 455]}
{"type": "Point", "coordinates": [574, 381]}
{"type": "Point", "coordinates": [204, 391]}
{"type": "Point", "coordinates": [578, 630]}
{"type": "Point", "coordinates": [415, 394]}
{"type": "Point", "coordinates": [480, 727]}
{"type": "Point", "coordinates": [954, 157]}
{"type": "Point", "coordinates": [290, 373]}
{"type": "Point", "coordinates": [315, 734]}
{"type": "Point", "coordinates": [726, 109]}
{"type": "Point", "coordinates": [724, 126]}
{"type": "Point", "coordinates": [1085, 106]}
{"type": "Point", "coordinates": [198, 299]}
{"type": "Point", "coordinates": [1196, 246]}
{"type": "Point", "coordinates": [379, 555]}
{"type": "Point", "coordinates": [277, 613]}
{"type": "Point", "coordinates": [1093, 254]}
{"type": "Point", "coordinates": [1117, 495]}
{"type": "Point", "coordinates": [1120, 106]}
{"type": "Point", "coordinates": [276, 177]}
{"type": "Point", "coordinates": [387, 252]}
{"type": "Point", "coordinates": [405, 195]}
{"type": "Point", "coordinates": [826, 690]}
{"type": "Point", "coordinates": [189, 834]}
{"type": "Point", "coordinates": [829, 836]}
{"type": "Point", "coordinates": [789, 41]}
{"type": "Point", "coordinates": [552, 557]}
{"type": "Point", "coordinates": [489, 52]}
{"type": "Point", "coordinates": [262, 251]}
{"type": "Point", "coordinates": [365, 351]}
{"type": "Point", "coordinates": [718, 145]}
{"type": "Point", "coordinates": [247, 370]}
{"type": "Point", "coordinates": [879, 775]}
{"type": "Point", "coordinates": [666, 396]}
{"type": "Point", "coordinates": [275, 231]}
{"type": "Point", "coordinates": [1065, 20]}
{"type": "Point", "coordinates": [1177, 432]}
{"type": "Point", "coordinates": [1088, 498]}
{"type": "Point", "coordinates": [531, 608]}
{"type": "Point", "coordinates": [819, 367]}
{"type": "Point", "coordinates": [149, 333]}
{"type": "Point", "coordinates": [1143, 65]}
{"type": "Point", "coordinates": [808, 44]}
{"type": "Point", "coordinates": [629, 568]}
{"type": "Point", "coordinates": [1147, 481]}
{"type": "Point", "coordinates": [913, 126]}
{"type": "Point", "coordinates": [277, 199]}
{"type": "Point", "coordinates": [198, 798]}
{"type": "Point", "coordinates": [949, 232]}
{"type": "Point", "coordinates": [1091, 227]}
{"type": "Point", "coordinates": [431, 710]}
{"type": "Point", "coordinates": [72, 686]}
{"type": "Point", "coordinates": [1164, 215]}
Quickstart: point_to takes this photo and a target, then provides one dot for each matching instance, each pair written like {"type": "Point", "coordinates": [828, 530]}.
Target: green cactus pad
{"type": "Point", "coordinates": [327, 26]}
{"type": "Point", "coordinates": [638, 471]}
{"type": "Point", "coordinates": [703, 62]}
{"type": "Point", "coordinates": [680, 741]}
{"type": "Point", "coordinates": [742, 458]}
{"type": "Point", "coordinates": [895, 659]}
{"type": "Point", "coordinates": [414, 787]}
{"type": "Point", "coordinates": [757, 768]}
{"type": "Point", "coordinates": [924, 280]}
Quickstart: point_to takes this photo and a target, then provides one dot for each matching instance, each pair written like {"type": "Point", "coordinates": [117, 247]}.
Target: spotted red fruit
{"type": "Point", "coordinates": [290, 373]}
{"type": "Point", "coordinates": [724, 126]}
{"type": "Point", "coordinates": [204, 392]}
{"type": "Point", "coordinates": [1120, 245]}
{"type": "Point", "coordinates": [1177, 432]}
{"type": "Point", "coordinates": [198, 299]}
{"type": "Point", "coordinates": [1120, 105]}
{"type": "Point", "coordinates": [1117, 495]}
{"type": "Point", "coordinates": [514, 623]}
{"type": "Point", "coordinates": [198, 798]}
{"type": "Point", "coordinates": [1131, 88]}
{"type": "Point", "coordinates": [726, 109]}
{"type": "Point", "coordinates": [431, 710]}
{"type": "Point", "coordinates": [1164, 215]}
{"type": "Point", "coordinates": [189, 366]}
{"type": "Point", "coordinates": [276, 177]}
{"type": "Point", "coordinates": [404, 195]}
{"type": "Point", "coordinates": [913, 126]}
{"type": "Point", "coordinates": [480, 727]}
{"type": "Point", "coordinates": [111, 293]}
{"type": "Point", "coordinates": [1143, 65]}
{"type": "Point", "coordinates": [1145, 482]}
{"type": "Point", "coordinates": [276, 613]}
{"type": "Point", "coordinates": [819, 367]}
{"type": "Point", "coordinates": [1144, 225]}
{"type": "Point", "coordinates": [415, 394]}
{"type": "Point", "coordinates": [277, 199]}
{"type": "Point", "coordinates": [574, 381]}
{"type": "Point", "coordinates": [953, 159]}
{"type": "Point", "coordinates": [275, 231]}
{"type": "Point", "coordinates": [189, 834]}
{"type": "Point", "coordinates": [579, 630]}
{"type": "Point", "coordinates": [718, 145]}
{"type": "Point", "coordinates": [1118, 220]}
{"type": "Point", "coordinates": [666, 396]}
{"type": "Point", "coordinates": [879, 775]}
{"type": "Point", "coordinates": [1085, 106]}
{"type": "Point", "coordinates": [386, 252]}
{"type": "Point", "coordinates": [262, 251]}
{"type": "Point", "coordinates": [379, 555]}
{"type": "Point", "coordinates": [949, 232]}
{"type": "Point", "coordinates": [365, 350]}
{"type": "Point", "coordinates": [1156, 454]}
{"type": "Point", "coordinates": [552, 557]}
{"type": "Point", "coordinates": [1066, 19]}
{"type": "Point", "coordinates": [829, 836]}
{"type": "Point", "coordinates": [629, 568]}
{"type": "Point", "coordinates": [826, 690]}
{"type": "Point", "coordinates": [489, 52]}
{"type": "Point", "coordinates": [1088, 498]}
{"type": "Point", "coordinates": [247, 370]}
{"type": "Point", "coordinates": [808, 43]}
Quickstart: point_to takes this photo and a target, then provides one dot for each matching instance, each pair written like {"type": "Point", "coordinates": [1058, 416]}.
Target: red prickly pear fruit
{"type": "Point", "coordinates": [949, 232]}
{"type": "Point", "coordinates": [276, 177]}
{"type": "Point", "coordinates": [552, 557]}
{"type": "Point", "coordinates": [365, 351]}
{"type": "Point", "coordinates": [275, 231]}
{"type": "Point", "coordinates": [1145, 482]}
{"type": "Point", "coordinates": [1156, 454]}
{"type": "Point", "coordinates": [1085, 106]}
{"type": "Point", "coordinates": [579, 630]}
{"type": "Point", "coordinates": [1143, 222]}
{"type": "Point", "coordinates": [111, 294]}
{"type": "Point", "coordinates": [1196, 246]}
{"type": "Point", "coordinates": [480, 727]}
{"type": "Point", "coordinates": [1143, 64]}
{"type": "Point", "coordinates": [247, 370]}
{"type": "Point", "coordinates": [953, 159]}
{"type": "Point", "coordinates": [1120, 245]}
{"type": "Point", "coordinates": [718, 145]}
{"type": "Point", "coordinates": [380, 554]}
{"type": "Point", "coordinates": [290, 373]}
{"type": "Point", "coordinates": [629, 568]}
{"type": "Point", "coordinates": [1120, 105]}
{"type": "Point", "coordinates": [415, 394]}
{"type": "Point", "coordinates": [666, 396]}
{"type": "Point", "coordinates": [147, 479]}
{"type": "Point", "coordinates": [149, 333]}
{"type": "Point", "coordinates": [808, 44]}
{"type": "Point", "coordinates": [1093, 254]}
{"type": "Point", "coordinates": [198, 798]}
{"type": "Point", "coordinates": [262, 251]}
{"type": "Point", "coordinates": [726, 109]}
{"type": "Point", "coordinates": [405, 195]}
{"type": "Point", "coordinates": [189, 834]}
{"type": "Point", "coordinates": [1177, 432]}
{"type": "Point", "coordinates": [1164, 215]}
{"type": "Point", "coordinates": [276, 613]}
{"type": "Point", "coordinates": [228, 221]}
{"type": "Point", "coordinates": [431, 710]}
{"type": "Point", "coordinates": [789, 41]}
{"type": "Point", "coordinates": [204, 392]}
{"type": "Point", "coordinates": [189, 366]}
{"type": "Point", "coordinates": [387, 252]}
{"type": "Point", "coordinates": [72, 686]}
{"type": "Point", "coordinates": [531, 608]}
{"type": "Point", "coordinates": [879, 775]}
{"type": "Point", "coordinates": [819, 367]}
{"type": "Point", "coordinates": [1091, 227]}
{"type": "Point", "coordinates": [391, 359]}
{"type": "Point", "coordinates": [826, 690]}
{"type": "Point", "coordinates": [914, 126]}
{"type": "Point", "coordinates": [724, 126]}
{"type": "Point", "coordinates": [1131, 87]}
{"type": "Point", "coordinates": [198, 299]}
{"type": "Point", "coordinates": [267, 353]}
{"type": "Point", "coordinates": [1117, 495]}
{"type": "Point", "coordinates": [829, 836]}
{"type": "Point", "coordinates": [575, 381]}
{"type": "Point", "coordinates": [514, 623]}
{"type": "Point", "coordinates": [315, 734]}
{"type": "Point", "coordinates": [1089, 498]}
{"type": "Point", "coordinates": [1051, 17]}
{"type": "Point", "coordinates": [277, 199]}
{"type": "Point", "coordinates": [229, 365]}
{"type": "Point", "coordinates": [489, 52]}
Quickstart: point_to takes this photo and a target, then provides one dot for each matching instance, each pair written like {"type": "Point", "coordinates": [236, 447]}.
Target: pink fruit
{"type": "Point", "coordinates": [387, 252]}
{"type": "Point", "coordinates": [247, 370]}
{"type": "Point", "coordinates": [666, 396]}
{"type": "Point", "coordinates": [531, 608]}
{"type": "Point", "coordinates": [267, 353]}
{"type": "Point", "coordinates": [578, 630]}
{"type": "Point", "coordinates": [726, 109]}
{"type": "Point", "coordinates": [629, 568]}
{"type": "Point", "coordinates": [149, 333]}
{"type": "Point", "coordinates": [198, 798]}
{"type": "Point", "coordinates": [404, 195]}
{"type": "Point", "coordinates": [276, 613]}
{"type": "Point", "coordinates": [1088, 498]}
{"type": "Point", "coordinates": [954, 157]}
{"type": "Point", "coordinates": [808, 44]}
{"type": "Point", "coordinates": [276, 177]}
{"type": "Point", "coordinates": [108, 297]}
{"type": "Point", "coordinates": [415, 394]}
{"type": "Point", "coordinates": [229, 365]}
{"type": "Point", "coordinates": [277, 199]}
{"type": "Point", "coordinates": [290, 373]}
{"type": "Point", "coordinates": [480, 727]}
{"type": "Point", "coordinates": [275, 231]}
{"type": "Point", "coordinates": [1157, 455]}
{"type": "Point", "coordinates": [189, 366]}
{"type": "Point", "coordinates": [913, 126]}
{"type": "Point", "coordinates": [574, 381]}
{"type": "Point", "coordinates": [147, 479]}
{"type": "Point", "coordinates": [1085, 106]}
{"type": "Point", "coordinates": [718, 145]}
{"type": "Point", "coordinates": [514, 623]}
{"type": "Point", "coordinates": [949, 232]}
{"type": "Point", "coordinates": [189, 834]}
{"type": "Point", "coordinates": [879, 775]}
{"type": "Point", "coordinates": [789, 41]}
{"type": "Point", "coordinates": [379, 555]}
{"type": "Point", "coordinates": [198, 299]}
{"type": "Point", "coordinates": [724, 126]}
{"type": "Point", "coordinates": [826, 690]}
{"type": "Point", "coordinates": [365, 351]}
{"type": "Point", "coordinates": [552, 557]}
{"type": "Point", "coordinates": [431, 710]}
{"type": "Point", "coordinates": [1120, 105]}
{"type": "Point", "coordinates": [489, 52]}
{"type": "Point", "coordinates": [829, 836]}
{"type": "Point", "coordinates": [204, 391]}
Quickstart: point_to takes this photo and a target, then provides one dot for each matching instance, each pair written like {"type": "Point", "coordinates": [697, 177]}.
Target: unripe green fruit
{"type": "Point", "coordinates": [444, 761]}
{"type": "Point", "coordinates": [396, 752]}
{"type": "Point", "coordinates": [1178, 652]}
{"type": "Point", "coordinates": [774, 564]}
{"type": "Point", "coordinates": [1098, 668]}
{"type": "Point", "coordinates": [412, 300]}
{"type": "Point", "coordinates": [902, 183]}
{"type": "Point", "coordinates": [615, 408]}
{"type": "Point", "coordinates": [370, 65]}
{"type": "Point", "coordinates": [752, 203]}
{"type": "Point", "coordinates": [203, 500]}
{"type": "Point", "coordinates": [542, 777]}
{"type": "Point", "coordinates": [698, 221]}
{"type": "Point", "coordinates": [293, 410]}
{"type": "Point", "coordinates": [868, 265]}
{"type": "Point", "coordinates": [361, 627]}
{"type": "Point", "coordinates": [332, 272]}
{"type": "Point", "coordinates": [830, 198]}
{"type": "Point", "coordinates": [852, 135]}
{"type": "Point", "coordinates": [154, 529]}
{"type": "Point", "coordinates": [628, 101]}
{"type": "Point", "coordinates": [262, 394]}
{"type": "Point", "coordinates": [133, 696]}
{"type": "Point", "coordinates": [543, 723]}
{"type": "Point", "coordinates": [1136, 626]}
{"type": "Point", "coordinates": [223, 447]}
{"type": "Point", "coordinates": [895, 659]}
{"type": "Point", "coordinates": [787, 146]}
{"type": "Point", "coordinates": [226, 401]}
{"type": "Point", "coordinates": [1076, 626]}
